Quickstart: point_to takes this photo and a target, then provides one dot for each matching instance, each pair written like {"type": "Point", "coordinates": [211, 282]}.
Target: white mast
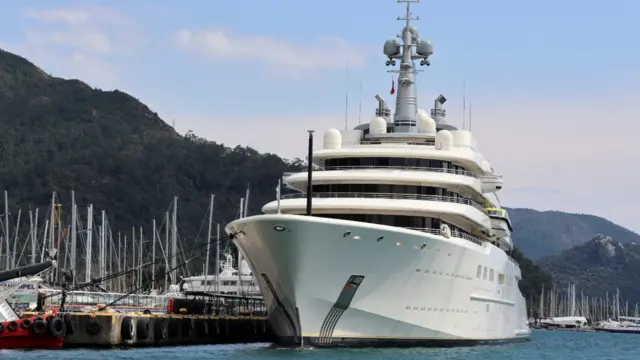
{"type": "Point", "coordinates": [73, 236]}
{"type": "Point", "coordinates": [153, 255]}
{"type": "Point", "coordinates": [140, 260]}
{"type": "Point", "coordinates": [103, 242]}
{"type": "Point", "coordinates": [118, 257]}
{"type": "Point", "coordinates": [174, 241]}
{"type": "Point", "coordinates": [14, 257]}
{"type": "Point", "coordinates": [89, 243]}
{"type": "Point", "coordinates": [125, 264]}
{"type": "Point", "coordinates": [33, 238]}
{"type": "Point", "coordinates": [133, 257]}
{"type": "Point", "coordinates": [167, 251]}
{"type": "Point", "coordinates": [6, 228]}
{"type": "Point", "coordinates": [206, 263]}
{"type": "Point", "coordinates": [217, 257]}
{"type": "Point", "coordinates": [52, 223]}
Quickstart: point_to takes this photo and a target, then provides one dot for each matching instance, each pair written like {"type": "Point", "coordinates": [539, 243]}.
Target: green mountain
{"type": "Point", "coordinates": [116, 153]}
{"type": "Point", "coordinates": [62, 135]}
{"type": "Point", "coordinates": [599, 266]}
{"type": "Point", "coordinates": [541, 233]}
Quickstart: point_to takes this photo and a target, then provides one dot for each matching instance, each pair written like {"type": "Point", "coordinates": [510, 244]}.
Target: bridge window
{"type": "Point", "coordinates": [355, 162]}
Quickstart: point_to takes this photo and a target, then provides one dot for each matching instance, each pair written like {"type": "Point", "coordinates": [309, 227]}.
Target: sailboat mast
{"type": "Point", "coordinates": [217, 257]}
{"type": "Point", "coordinates": [206, 263]}
{"type": "Point", "coordinates": [73, 236]}
{"type": "Point", "coordinates": [6, 231]}
{"type": "Point", "coordinates": [153, 255]}
{"type": "Point", "coordinates": [174, 241]}
{"type": "Point", "coordinates": [167, 251]}
{"type": "Point", "coordinates": [89, 243]}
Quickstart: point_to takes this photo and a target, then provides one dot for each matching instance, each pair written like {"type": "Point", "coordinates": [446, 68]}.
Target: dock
{"type": "Point", "coordinates": [110, 329]}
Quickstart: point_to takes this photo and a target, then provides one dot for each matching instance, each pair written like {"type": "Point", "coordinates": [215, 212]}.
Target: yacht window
{"type": "Point", "coordinates": [479, 271]}
{"type": "Point", "coordinates": [389, 161]}
{"type": "Point", "coordinates": [501, 279]}
{"type": "Point", "coordinates": [484, 274]}
{"type": "Point", "coordinates": [490, 274]}
{"type": "Point", "coordinates": [384, 189]}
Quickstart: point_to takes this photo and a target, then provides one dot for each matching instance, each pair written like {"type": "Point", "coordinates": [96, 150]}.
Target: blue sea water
{"type": "Point", "coordinates": [543, 345]}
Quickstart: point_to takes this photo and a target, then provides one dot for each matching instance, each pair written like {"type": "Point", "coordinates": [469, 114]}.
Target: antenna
{"type": "Point", "coordinates": [346, 100]}
{"type": "Point", "coordinates": [464, 101]}
{"type": "Point", "coordinates": [173, 122]}
{"type": "Point", "coordinates": [469, 115]}
{"type": "Point", "coordinates": [360, 104]}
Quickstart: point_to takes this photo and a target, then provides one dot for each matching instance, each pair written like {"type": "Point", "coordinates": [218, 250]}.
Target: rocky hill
{"type": "Point", "coordinates": [542, 233]}
{"type": "Point", "coordinates": [601, 265]}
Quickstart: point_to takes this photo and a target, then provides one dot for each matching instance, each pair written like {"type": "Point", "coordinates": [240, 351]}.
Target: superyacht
{"type": "Point", "coordinates": [397, 237]}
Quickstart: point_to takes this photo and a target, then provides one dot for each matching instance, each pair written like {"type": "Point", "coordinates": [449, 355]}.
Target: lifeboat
{"type": "Point", "coordinates": [36, 332]}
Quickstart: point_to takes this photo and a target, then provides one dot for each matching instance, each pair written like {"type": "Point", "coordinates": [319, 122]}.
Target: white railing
{"type": "Point", "coordinates": [410, 168]}
{"type": "Point", "coordinates": [449, 199]}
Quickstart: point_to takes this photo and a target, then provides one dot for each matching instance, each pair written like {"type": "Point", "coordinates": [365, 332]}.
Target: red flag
{"type": "Point", "coordinates": [393, 87]}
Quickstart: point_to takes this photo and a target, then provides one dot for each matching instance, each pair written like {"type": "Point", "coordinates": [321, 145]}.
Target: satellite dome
{"type": "Point", "coordinates": [425, 123]}
{"type": "Point", "coordinates": [378, 125]}
{"type": "Point", "coordinates": [332, 139]}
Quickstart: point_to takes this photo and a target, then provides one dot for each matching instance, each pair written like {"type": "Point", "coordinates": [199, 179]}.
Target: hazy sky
{"type": "Point", "coordinates": [554, 85]}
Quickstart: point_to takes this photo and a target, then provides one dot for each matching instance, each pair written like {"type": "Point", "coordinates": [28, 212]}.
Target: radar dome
{"type": "Point", "coordinates": [332, 139]}
{"type": "Point", "coordinates": [378, 125]}
{"type": "Point", "coordinates": [412, 29]}
{"type": "Point", "coordinates": [425, 48]}
{"type": "Point", "coordinates": [444, 140]}
{"type": "Point", "coordinates": [425, 123]}
{"type": "Point", "coordinates": [391, 48]}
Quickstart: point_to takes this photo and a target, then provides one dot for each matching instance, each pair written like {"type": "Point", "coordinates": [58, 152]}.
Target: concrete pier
{"type": "Point", "coordinates": [111, 329]}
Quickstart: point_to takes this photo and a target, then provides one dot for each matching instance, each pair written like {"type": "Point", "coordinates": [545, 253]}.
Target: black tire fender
{"type": "Point", "coordinates": [13, 326]}
{"type": "Point", "coordinates": [142, 329]}
{"type": "Point", "coordinates": [39, 326]}
{"type": "Point", "coordinates": [57, 329]}
{"type": "Point", "coordinates": [127, 330]}
{"type": "Point", "coordinates": [93, 327]}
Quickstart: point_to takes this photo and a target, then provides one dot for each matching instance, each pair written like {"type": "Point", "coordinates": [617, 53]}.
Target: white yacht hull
{"type": "Point", "coordinates": [417, 288]}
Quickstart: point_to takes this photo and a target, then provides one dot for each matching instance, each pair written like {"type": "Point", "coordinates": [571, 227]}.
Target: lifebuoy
{"type": "Point", "coordinates": [142, 329]}
{"type": "Point", "coordinates": [127, 329]}
{"type": "Point", "coordinates": [93, 327]}
{"type": "Point", "coordinates": [13, 326]}
{"type": "Point", "coordinates": [26, 324]}
{"type": "Point", "coordinates": [39, 326]}
{"type": "Point", "coordinates": [57, 328]}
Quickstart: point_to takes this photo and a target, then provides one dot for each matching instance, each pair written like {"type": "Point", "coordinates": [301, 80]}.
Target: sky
{"type": "Point", "coordinates": [553, 86]}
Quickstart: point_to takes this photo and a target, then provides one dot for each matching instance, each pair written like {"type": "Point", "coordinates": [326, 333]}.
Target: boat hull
{"type": "Point", "coordinates": [333, 282]}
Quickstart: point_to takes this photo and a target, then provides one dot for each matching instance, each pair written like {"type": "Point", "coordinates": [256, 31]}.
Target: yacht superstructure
{"type": "Point", "coordinates": [407, 243]}
{"type": "Point", "coordinates": [229, 282]}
